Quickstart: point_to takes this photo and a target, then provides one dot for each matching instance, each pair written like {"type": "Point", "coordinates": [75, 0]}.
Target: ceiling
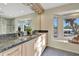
{"type": "Point", "coordinates": [18, 9]}
{"type": "Point", "coordinates": [51, 5]}
{"type": "Point", "coordinates": [14, 9]}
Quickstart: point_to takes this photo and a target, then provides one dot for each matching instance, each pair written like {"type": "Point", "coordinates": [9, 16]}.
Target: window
{"type": "Point", "coordinates": [55, 23]}
{"type": "Point", "coordinates": [71, 27]}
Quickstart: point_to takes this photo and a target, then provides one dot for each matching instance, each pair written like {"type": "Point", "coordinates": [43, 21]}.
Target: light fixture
{"type": "Point", "coordinates": [68, 12]}
{"type": "Point", "coordinates": [0, 8]}
{"type": "Point", "coordinates": [5, 3]}
{"type": "Point", "coordinates": [75, 14]}
{"type": "Point", "coordinates": [28, 4]}
{"type": "Point", "coordinates": [22, 11]}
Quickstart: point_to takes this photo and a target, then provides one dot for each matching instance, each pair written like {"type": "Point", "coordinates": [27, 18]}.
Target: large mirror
{"type": "Point", "coordinates": [24, 24]}
{"type": "Point", "coordinates": [14, 15]}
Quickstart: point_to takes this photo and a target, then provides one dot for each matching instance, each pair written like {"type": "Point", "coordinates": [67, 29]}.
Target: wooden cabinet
{"type": "Point", "coordinates": [24, 49]}
{"type": "Point", "coordinates": [37, 46]}
{"type": "Point", "coordinates": [40, 44]}
{"type": "Point", "coordinates": [16, 51]}
{"type": "Point", "coordinates": [28, 48]}
{"type": "Point", "coordinates": [0, 54]}
{"type": "Point", "coordinates": [44, 39]}
{"type": "Point", "coordinates": [34, 47]}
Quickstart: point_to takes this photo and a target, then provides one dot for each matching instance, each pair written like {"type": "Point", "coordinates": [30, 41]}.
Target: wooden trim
{"type": "Point", "coordinates": [36, 7]}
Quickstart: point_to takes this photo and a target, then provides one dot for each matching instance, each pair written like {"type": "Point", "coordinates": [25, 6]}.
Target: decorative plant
{"type": "Point", "coordinates": [73, 25]}
{"type": "Point", "coordinates": [29, 30]}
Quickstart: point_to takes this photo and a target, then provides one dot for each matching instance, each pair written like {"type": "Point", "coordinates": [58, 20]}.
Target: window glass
{"type": "Point", "coordinates": [71, 27]}
{"type": "Point", "coordinates": [55, 23]}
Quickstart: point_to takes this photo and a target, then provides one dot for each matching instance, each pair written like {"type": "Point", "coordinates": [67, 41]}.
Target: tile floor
{"type": "Point", "coordinates": [56, 52]}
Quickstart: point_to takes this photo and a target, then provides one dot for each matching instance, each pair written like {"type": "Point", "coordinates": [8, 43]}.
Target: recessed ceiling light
{"type": "Point", "coordinates": [29, 5]}
{"type": "Point", "coordinates": [0, 8]}
{"type": "Point", "coordinates": [22, 10]}
{"type": "Point", "coordinates": [5, 3]}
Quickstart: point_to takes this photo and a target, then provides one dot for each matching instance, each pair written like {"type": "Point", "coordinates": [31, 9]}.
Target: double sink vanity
{"type": "Point", "coordinates": [32, 45]}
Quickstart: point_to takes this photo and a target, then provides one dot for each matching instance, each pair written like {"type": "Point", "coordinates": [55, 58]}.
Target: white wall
{"type": "Point", "coordinates": [65, 46]}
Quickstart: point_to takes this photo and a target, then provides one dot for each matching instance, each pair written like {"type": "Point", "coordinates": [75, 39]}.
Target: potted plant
{"type": "Point", "coordinates": [29, 30]}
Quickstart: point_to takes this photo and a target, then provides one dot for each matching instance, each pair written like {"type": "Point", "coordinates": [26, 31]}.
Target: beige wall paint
{"type": "Point", "coordinates": [60, 28]}
{"type": "Point", "coordinates": [43, 22]}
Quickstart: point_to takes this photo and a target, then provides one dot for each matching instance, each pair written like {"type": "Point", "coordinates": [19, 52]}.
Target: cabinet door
{"type": "Point", "coordinates": [40, 44]}
{"type": "Point", "coordinates": [44, 39]}
{"type": "Point", "coordinates": [0, 54]}
{"type": "Point", "coordinates": [16, 51]}
{"type": "Point", "coordinates": [30, 48]}
{"type": "Point", "coordinates": [24, 49]}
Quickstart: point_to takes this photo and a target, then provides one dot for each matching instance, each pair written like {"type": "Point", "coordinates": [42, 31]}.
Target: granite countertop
{"type": "Point", "coordinates": [14, 41]}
